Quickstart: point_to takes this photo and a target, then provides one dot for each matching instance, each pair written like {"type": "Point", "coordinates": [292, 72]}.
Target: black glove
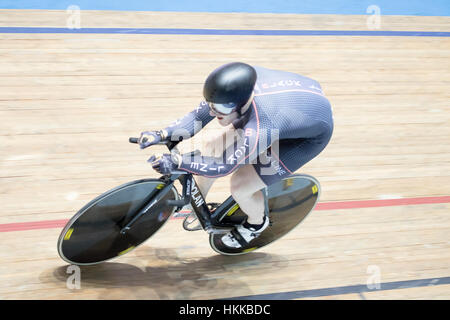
{"type": "Point", "coordinates": [165, 163]}
{"type": "Point", "coordinates": [149, 138]}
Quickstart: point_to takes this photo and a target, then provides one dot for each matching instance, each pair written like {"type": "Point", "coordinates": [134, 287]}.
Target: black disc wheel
{"type": "Point", "coordinates": [93, 234]}
{"type": "Point", "coordinates": [289, 202]}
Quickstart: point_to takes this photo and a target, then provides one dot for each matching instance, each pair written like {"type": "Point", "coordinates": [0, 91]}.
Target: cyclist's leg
{"type": "Point", "coordinates": [204, 184]}
{"type": "Point", "coordinates": [246, 188]}
{"type": "Point", "coordinates": [271, 167]}
{"type": "Point", "coordinates": [285, 157]}
{"type": "Point", "coordinates": [281, 160]}
{"type": "Point", "coordinates": [214, 146]}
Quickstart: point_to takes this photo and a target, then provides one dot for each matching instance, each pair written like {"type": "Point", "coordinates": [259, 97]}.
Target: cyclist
{"type": "Point", "coordinates": [279, 120]}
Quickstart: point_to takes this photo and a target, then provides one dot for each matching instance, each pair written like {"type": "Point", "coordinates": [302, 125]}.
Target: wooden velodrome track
{"type": "Point", "coordinates": [69, 102]}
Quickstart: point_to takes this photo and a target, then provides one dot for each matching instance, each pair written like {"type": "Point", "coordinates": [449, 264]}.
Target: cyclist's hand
{"type": "Point", "coordinates": [149, 138]}
{"type": "Point", "coordinates": [165, 163]}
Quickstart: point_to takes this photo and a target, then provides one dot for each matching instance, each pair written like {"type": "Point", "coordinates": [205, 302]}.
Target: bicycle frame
{"type": "Point", "coordinates": [191, 194]}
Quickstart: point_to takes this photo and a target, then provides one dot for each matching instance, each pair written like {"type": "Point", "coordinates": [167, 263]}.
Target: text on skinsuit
{"type": "Point", "coordinates": [238, 153]}
{"type": "Point", "coordinates": [284, 84]}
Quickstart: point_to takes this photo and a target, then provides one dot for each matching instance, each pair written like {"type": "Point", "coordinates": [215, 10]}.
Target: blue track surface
{"type": "Point", "coordinates": [359, 289]}
{"type": "Point", "coordinates": [225, 32]}
{"type": "Point", "coordinates": [387, 7]}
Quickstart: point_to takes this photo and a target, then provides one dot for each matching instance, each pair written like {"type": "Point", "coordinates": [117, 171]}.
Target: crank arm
{"type": "Point", "coordinates": [218, 230]}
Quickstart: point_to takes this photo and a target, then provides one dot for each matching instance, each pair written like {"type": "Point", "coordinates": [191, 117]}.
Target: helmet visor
{"type": "Point", "coordinates": [222, 108]}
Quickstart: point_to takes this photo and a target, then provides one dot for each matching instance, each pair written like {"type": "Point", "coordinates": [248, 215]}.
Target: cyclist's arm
{"type": "Point", "coordinates": [242, 152]}
{"type": "Point", "coordinates": [188, 125]}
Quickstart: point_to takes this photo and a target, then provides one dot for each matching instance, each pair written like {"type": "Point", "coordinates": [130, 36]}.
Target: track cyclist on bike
{"type": "Point", "coordinates": [279, 121]}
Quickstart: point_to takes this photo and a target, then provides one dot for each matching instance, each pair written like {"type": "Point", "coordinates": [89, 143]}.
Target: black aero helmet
{"type": "Point", "coordinates": [229, 87]}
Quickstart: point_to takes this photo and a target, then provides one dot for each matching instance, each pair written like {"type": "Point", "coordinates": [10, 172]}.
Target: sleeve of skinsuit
{"type": "Point", "coordinates": [243, 151]}
{"type": "Point", "coordinates": [190, 124]}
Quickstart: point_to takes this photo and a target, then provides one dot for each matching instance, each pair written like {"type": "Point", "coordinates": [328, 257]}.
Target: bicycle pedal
{"type": "Point", "coordinates": [214, 230]}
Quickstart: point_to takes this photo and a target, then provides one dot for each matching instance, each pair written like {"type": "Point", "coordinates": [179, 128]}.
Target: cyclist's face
{"type": "Point", "coordinates": [224, 120]}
